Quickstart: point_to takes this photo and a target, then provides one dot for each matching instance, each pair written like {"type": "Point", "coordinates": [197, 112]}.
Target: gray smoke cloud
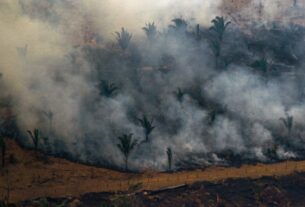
{"type": "Point", "coordinates": [55, 53]}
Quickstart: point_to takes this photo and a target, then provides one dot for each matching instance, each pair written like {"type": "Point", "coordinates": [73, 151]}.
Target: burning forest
{"type": "Point", "coordinates": [156, 85]}
{"type": "Point", "coordinates": [213, 92]}
{"type": "Point", "coordinates": [149, 97]}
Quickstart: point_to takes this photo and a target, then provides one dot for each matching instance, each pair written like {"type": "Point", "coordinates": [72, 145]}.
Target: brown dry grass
{"type": "Point", "coordinates": [31, 178]}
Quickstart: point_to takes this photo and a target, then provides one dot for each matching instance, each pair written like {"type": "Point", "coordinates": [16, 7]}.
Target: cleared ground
{"type": "Point", "coordinates": [32, 178]}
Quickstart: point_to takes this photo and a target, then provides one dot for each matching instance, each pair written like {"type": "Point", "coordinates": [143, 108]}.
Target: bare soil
{"type": "Point", "coordinates": [33, 175]}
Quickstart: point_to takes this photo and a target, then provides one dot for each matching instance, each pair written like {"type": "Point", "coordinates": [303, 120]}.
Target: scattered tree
{"type": "Point", "coordinates": [218, 29]}
{"type": "Point", "coordinates": [169, 158]}
{"type": "Point", "coordinates": [215, 46]}
{"type": "Point", "coordinates": [126, 145]}
{"type": "Point", "coordinates": [288, 123]}
{"type": "Point", "coordinates": [198, 33]}
{"type": "Point", "coordinates": [35, 136]}
{"type": "Point", "coordinates": [180, 25]}
{"type": "Point", "coordinates": [147, 126]}
{"type": "Point", "coordinates": [123, 38]}
{"type": "Point", "coordinates": [150, 30]}
{"type": "Point", "coordinates": [107, 89]}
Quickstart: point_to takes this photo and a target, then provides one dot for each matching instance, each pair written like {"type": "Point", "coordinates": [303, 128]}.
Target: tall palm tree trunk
{"type": "Point", "coordinates": [146, 137]}
{"type": "Point", "coordinates": [126, 163]}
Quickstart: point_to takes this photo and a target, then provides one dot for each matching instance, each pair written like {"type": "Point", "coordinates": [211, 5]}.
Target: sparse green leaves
{"type": "Point", "coordinates": [147, 125]}
{"type": "Point", "coordinates": [179, 24]}
{"type": "Point", "coordinates": [150, 30]}
{"type": "Point", "coordinates": [123, 38]}
{"type": "Point", "coordinates": [219, 27]}
{"type": "Point", "coordinates": [126, 145]}
{"type": "Point", "coordinates": [108, 89]}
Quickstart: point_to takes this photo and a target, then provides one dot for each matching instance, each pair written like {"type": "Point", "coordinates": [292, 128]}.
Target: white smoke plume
{"type": "Point", "coordinates": [55, 53]}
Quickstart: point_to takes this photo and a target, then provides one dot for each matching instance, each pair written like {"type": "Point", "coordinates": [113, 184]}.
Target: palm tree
{"type": "Point", "coordinates": [288, 123]}
{"type": "Point", "coordinates": [150, 30]}
{"type": "Point", "coordinates": [198, 33]}
{"type": "Point", "coordinates": [147, 126]}
{"type": "Point", "coordinates": [169, 158]}
{"type": "Point", "coordinates": [35, 136]}
{"type": "Point", "coordinates": [215, 46]}
{"type": "Point", "coordinates": [3, 151]}
{"type": "Point", "coordinates": [107, 89]}
{"type": "Point", "coordinates": [123, 38]}
{"type": "Point", "coordinates": [180, 25]}
{"type": "Point", "coordinates": [218, 29]}
{"type": "Point", "coordinates": [126, 145]}
{"type": "Point", "coordinates": [179, 94]}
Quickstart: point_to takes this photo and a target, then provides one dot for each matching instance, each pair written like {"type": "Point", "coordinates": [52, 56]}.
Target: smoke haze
{"type": "Point", "coordinates": [54, 55]}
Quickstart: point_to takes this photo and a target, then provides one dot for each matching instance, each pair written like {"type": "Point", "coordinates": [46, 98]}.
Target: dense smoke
{"type": "Point", "coordinates": [57, 57]}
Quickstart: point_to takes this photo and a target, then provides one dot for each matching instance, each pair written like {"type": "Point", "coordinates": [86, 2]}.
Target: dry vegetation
{"type": "Point", "coordinates": [32, 175]}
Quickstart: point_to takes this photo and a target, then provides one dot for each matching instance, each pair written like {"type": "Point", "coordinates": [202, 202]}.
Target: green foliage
{"type": "Point", "coordinates": [35, 136]}
{"type": "Point", "coordinates": [219, 27]}
{"type": "Point", "coordinates": [150, 30]}
{"type": "Point", "coordinates": [126, 145]}
{"type": "Point", "coordinates": [147, 126]}
{"type": "Point", "coordinates": [108, 89]}
{"type": "Point", "coordinates": [179, 94]}
{"type": "Point", "coordinates": [288, 123]}
{"type": "Point", "coordinates": [169, 158]}
{"type": "Point", "coordinates": [179, 23]}
{"type": "Point", "coordinates": [123, 38]}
